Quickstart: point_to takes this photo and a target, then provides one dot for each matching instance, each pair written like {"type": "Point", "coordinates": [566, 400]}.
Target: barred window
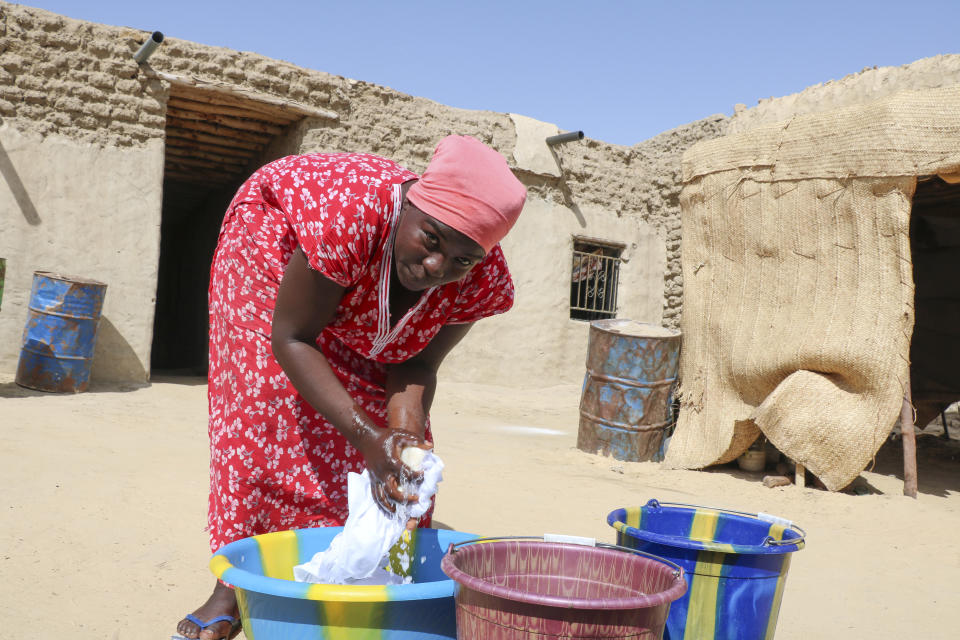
{"type": "Point", "coordinates": [594, 279]}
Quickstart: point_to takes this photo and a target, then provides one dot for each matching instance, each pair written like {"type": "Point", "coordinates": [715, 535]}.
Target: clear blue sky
{"type": "Point", "coordinates": [620, 71]}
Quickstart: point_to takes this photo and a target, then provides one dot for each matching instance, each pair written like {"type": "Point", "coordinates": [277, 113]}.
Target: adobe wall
{"type": "Point", "coordinates": [103, 228]}
{"type": "Point", "coordinates": [857, 88]}
{"type": "Point", "coordinates": [646, 178]}
{"type": "Point", "coordinates": [82, 156]}
{"type": "Point", "coordinates": [81, 129]}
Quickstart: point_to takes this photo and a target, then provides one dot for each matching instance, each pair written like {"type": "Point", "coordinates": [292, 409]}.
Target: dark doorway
{"type": "Point", "coordinates": [935, 345]}
{"type": "Point", "coordinates": [188, 234]}
{"type": "Point", "coordinates": [215, 137]}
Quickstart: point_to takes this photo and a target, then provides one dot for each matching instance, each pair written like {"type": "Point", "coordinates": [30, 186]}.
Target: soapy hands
{"type": "Point", "coordinates": [384, 454]}
{"type": "Point", "coordinates": [360, 554]}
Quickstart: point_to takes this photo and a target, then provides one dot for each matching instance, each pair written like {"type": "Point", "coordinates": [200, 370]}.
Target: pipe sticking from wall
{"type": "Point", "coordinates": [148, 47]}
{"type": "Point", "coordinates": [560, 138]}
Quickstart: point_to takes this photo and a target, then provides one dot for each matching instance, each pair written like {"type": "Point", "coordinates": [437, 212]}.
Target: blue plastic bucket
{"type": "Point", "coordinates": [275, 607]}
{"type": "Point", "coordinates": [60, 333]}
{"type": "Point", "coordinates": [735, 564]}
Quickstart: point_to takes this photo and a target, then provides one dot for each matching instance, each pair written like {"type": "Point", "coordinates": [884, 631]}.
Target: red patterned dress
{"type": "Point", "coordinates": [275, 463]}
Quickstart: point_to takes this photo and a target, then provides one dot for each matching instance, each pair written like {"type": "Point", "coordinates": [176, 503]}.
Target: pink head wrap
{"type": "Point", "coordinates": [469, 187]}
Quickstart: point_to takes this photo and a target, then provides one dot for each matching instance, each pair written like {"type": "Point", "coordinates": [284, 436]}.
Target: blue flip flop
{"type": "Point", "coordinates": [203, 624]}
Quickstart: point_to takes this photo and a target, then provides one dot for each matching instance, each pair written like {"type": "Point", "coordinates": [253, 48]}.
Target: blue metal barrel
{"type": "Point", "coordinates": [60, 333]}
{"type": "Point", "coordinates": [630, 380]}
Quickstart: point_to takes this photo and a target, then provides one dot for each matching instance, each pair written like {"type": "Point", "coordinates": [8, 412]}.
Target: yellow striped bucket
{"type": "Point", "coordinates": [735, 564]}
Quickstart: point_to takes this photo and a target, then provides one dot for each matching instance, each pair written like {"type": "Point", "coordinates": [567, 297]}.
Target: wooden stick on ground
{"type": "Point", "coordinates": [909, 443]}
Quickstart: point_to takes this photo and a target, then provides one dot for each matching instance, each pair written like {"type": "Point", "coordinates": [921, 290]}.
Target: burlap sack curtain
{"type": "Point", "coordinates": [796, 320]}
{"type": "Point", "coordinates": [798, 292]}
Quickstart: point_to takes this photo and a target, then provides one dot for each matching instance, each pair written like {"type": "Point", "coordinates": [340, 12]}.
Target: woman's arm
{"type": "Point", "coordinates": [306, 302]}
{"type": "Point", "coordinates": [411, 384]}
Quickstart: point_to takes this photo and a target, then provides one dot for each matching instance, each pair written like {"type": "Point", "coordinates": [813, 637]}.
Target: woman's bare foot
{"type": "Point", "coordinates": [222, 602]}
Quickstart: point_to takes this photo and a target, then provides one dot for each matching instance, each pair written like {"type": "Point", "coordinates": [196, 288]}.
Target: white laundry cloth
{"type": "Point", "coordinates": [359, 553]}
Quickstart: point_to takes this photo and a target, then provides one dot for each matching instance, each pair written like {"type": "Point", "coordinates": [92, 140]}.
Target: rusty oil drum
{"type": "Point", "coordinates": [631, 376]}
{"type": "Point", "coordinates": [61, 332]}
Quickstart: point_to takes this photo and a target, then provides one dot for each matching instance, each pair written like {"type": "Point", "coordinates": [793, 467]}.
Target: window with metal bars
{"type": "Point", "coordinates": [594, 279]}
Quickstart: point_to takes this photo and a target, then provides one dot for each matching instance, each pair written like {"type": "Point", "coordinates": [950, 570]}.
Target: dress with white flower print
{"type": "Point", "coordinates": [275, 463]}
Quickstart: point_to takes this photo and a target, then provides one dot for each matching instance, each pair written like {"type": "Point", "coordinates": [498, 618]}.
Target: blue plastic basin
{"type": "Point", "coordinates": [275, 607]}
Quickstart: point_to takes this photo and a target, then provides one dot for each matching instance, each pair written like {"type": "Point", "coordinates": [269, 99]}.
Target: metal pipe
{"type": "Point", "coordinates": [148, 47]}
{"type": "Point", "coordinates": [560, 138]}
{"type": "Point", "coordinates": [581, 299]}
{"type": "Point", "coordinates": [615, 288]}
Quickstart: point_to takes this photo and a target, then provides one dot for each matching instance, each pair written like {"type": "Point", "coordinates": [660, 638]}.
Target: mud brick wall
{"type": "Point", "coordinates": [71, 89]}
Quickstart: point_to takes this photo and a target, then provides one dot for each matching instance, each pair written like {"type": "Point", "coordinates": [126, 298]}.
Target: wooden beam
{"type": "Point", "coordinates": [203, 164]}
{"type": "Point", "coordinates": [192, 174]}
{"type": "Point", "coordinates": [180, 152]}
{"type": "Point", "coordinates": [909, 440]}
{"type": "Point", "coordinates": [189, 146]}
{"type": "Point", "coordinates": [259, 109]}
{"type": "Point", "coordinates": [243, 124]}
{"type": "Point", "coordinates": [186, 104]}
{"type": "Point", "coordinates": [217, 130]}
{"type": "Point", "coordinates": [240, 94]}
{"type": "Point", "coordinates": [218, 140]}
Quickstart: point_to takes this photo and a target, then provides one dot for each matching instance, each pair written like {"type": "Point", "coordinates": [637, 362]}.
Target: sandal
{"type": "Point", "coordinates": [203, 624]}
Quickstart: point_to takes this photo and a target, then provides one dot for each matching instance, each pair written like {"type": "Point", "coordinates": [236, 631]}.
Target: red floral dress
{"type": "Point", "coordinates": [275, 463]}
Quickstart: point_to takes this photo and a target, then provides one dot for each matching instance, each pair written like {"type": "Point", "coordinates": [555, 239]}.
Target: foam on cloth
{"type": "Point", "coordinates": [359, 553]}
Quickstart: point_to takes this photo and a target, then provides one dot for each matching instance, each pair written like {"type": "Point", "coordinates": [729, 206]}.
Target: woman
{"type": "Point", "coordinates": [339, 283]}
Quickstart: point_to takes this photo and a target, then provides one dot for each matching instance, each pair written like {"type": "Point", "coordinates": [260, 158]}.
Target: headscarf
{"type": "Point", "coordinates": [469, 187]}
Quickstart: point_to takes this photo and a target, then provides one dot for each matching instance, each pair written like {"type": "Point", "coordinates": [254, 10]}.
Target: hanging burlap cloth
{"type": "Point", "coordinates": [798, 290]}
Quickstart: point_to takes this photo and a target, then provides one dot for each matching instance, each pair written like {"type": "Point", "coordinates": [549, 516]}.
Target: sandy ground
{"type": "Point", "coordinates": [104, 496]}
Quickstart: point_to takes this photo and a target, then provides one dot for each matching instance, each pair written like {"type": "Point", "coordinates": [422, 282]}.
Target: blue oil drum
{"type": "Point", "coordinates": [735, 564]}
{"type": "Point", "coordinates": [625, 407]}
{"type": "Point", "coordinates": [61, 333]}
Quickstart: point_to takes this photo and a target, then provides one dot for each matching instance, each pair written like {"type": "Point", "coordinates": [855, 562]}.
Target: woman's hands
{"type": "Point", "coordinates": [382, 449]}
{"type": "Point", "coordinates": [389, 474]}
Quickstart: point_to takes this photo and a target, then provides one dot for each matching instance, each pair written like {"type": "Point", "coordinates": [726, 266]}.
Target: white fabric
{"type": "Point", "coordinates": [359, 553]}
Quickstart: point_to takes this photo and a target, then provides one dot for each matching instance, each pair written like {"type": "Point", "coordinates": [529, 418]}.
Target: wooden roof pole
{"type": "Point", "coordinates": [218, 108]}
{"type": "Point", "coordinates": [909, 443]}
{"type": "Point", "coordinates": [242, 95]}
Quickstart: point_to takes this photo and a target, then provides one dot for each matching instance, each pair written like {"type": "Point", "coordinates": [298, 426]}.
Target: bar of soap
{"type": "Point", "coordinates": [413, 457]}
